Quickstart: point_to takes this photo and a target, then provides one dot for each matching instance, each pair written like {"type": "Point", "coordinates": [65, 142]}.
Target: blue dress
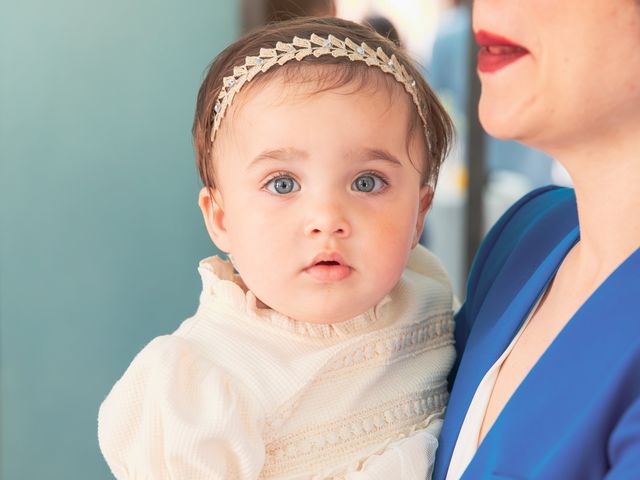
{"type": "Point", "coordinates": [576, 415]}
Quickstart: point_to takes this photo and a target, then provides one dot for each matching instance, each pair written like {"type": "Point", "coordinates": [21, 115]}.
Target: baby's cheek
{"type": "Point", "coordinates": [395, 228]}
{"type": "Point", "coordinates": [392, 246]}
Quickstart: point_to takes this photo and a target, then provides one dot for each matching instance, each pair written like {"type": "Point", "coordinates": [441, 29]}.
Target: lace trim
{"type": "Point", "coordinates": [437, 329]}
{"type": "Point", "coordinates": [350, 435]}
{"type": "Point", "coordinates": [434, 332]}
{"type": "Point", "coordinates": [339, 472]}
{"type": "Point", "coordinates": [222, 285]}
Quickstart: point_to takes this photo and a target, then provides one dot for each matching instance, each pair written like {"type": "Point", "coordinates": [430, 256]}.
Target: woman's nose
{"type": "Point", "coordinates": [327, 219]}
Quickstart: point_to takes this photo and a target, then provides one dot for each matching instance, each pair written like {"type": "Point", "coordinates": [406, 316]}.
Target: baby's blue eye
{"type": "Point", "coordinates": [282, 185]}
{"type": "Point", "coordinates": [368, 183]}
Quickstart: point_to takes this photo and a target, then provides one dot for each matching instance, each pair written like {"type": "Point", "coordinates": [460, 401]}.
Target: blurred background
{"type": "Point", "coordinates": [100, 234]}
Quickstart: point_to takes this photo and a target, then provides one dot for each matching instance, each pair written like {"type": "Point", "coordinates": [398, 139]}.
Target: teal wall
{"type": "Point", "coordinates": [99, 229]}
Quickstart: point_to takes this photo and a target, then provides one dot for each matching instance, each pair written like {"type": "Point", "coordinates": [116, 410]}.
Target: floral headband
{"type": "Point", "coordinates": [300, 48]}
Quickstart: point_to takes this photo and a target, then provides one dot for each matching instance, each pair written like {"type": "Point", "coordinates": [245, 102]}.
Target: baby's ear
{"type": "Point", "coordinates": [426, 197]}
{"type": "Point", "coordinates": [210, 202]}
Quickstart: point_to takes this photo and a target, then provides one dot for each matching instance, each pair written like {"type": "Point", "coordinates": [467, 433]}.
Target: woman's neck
{"type": "Point", "coordinates": [606, 178]}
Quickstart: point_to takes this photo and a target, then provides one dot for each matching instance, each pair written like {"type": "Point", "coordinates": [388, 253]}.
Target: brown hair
{"type": "Point", "coordinates": [439, 129]}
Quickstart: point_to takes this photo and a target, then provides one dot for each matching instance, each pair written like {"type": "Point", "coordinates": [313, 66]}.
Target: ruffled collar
{"type": "Point", "coordinates": [222, 286]}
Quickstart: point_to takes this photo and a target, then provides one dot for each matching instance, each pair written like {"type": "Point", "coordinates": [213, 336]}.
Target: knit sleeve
{"type": "Point", "coordinates": [410, 457]}
{"type": "Point", "coordinates": [175, 415]}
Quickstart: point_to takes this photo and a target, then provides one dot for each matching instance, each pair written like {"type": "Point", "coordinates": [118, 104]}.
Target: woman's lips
{"type": "Point", "coordinates": [496, 52]}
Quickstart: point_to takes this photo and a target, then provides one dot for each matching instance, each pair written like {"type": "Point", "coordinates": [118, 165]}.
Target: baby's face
{"type": "Point", "coordinates": [319, 200]}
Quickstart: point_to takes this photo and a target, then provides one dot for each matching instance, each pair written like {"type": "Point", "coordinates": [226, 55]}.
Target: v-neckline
{"type": "Point", "coordinates": [568, 243]}
{"type": "Point", "coordinates": [530, 294]}
{"type": "Point", "coordinates": [493, 340]}
{"type": "Point", "coordinates": [500, 332]}
{"type": "Point", "coordinates": [564, 248]}
{"type": "Point", "coordinates": [564, 331]}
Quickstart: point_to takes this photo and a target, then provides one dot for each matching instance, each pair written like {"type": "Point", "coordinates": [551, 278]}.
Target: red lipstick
{"type": "Point", "coordinates": [496, 52]}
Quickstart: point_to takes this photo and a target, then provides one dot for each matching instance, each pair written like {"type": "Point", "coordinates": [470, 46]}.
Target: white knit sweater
{"type": "Point", "coordinates": [239, 392]}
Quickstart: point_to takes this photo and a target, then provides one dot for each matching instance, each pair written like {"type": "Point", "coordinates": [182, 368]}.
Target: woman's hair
{"type": "Point", "coordinates": [337, 72]}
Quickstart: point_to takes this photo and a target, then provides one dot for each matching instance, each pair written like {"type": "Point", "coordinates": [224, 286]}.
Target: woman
{"type": "Point", "coordinates": [548, 383]}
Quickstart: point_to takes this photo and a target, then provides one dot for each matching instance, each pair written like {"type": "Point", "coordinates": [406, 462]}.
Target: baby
{"type": "Point", "coordinates": [326, 354]}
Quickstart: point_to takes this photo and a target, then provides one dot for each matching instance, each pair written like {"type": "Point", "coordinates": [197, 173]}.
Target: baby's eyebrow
{"type": "Point", "coordinates": [369, 154]}
{"type": "Point", "coordinates": [279, 154]}
{"type": "Point", "coordinates": [288, 154]}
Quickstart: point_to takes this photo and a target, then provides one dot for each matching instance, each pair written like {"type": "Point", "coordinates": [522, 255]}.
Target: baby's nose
{"type": "Point", "coordinates": [327, 219]}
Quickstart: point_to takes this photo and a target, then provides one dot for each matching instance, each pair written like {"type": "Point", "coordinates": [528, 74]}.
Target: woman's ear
{"type": "Point", "coordinates": [210, 202]}
{"type": "Point", "coordinates": [426, 197]}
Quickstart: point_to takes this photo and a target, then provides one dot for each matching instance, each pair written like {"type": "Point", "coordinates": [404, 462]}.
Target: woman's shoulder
{"type": "Point", "coordinates": [549, 208]}
{"type": "Point", "coordinates": [533, 226]}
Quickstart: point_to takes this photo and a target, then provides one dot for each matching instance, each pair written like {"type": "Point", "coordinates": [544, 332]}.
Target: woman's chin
{"type": "Point", "coordinates": [499, 120]}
